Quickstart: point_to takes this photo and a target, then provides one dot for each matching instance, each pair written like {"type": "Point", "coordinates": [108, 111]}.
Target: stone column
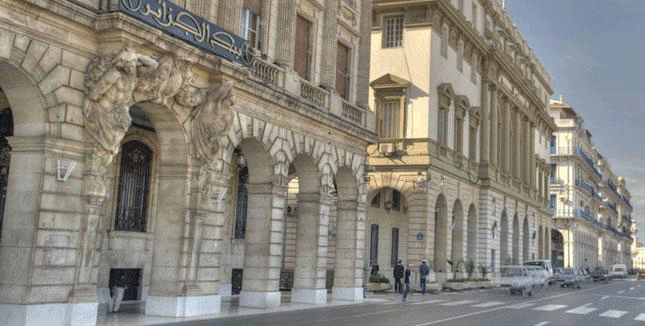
{"type": "Point", "coordinates": [526, 156]}
{"type": "Point", "coordinates": [348, 272]}
{"type": "Point", "coordinates": [329, 47]}
{"type": "Point", "coordinates": [363, 79]}
{"type": "Point", "coordinates": [263, 246]}
{"type": "Point", "coordinates": [286, 32]}
{"type": "Point", "coordinates": [485, 125]}
{"type": "Point", "coordinates": [493, 124]}
{"type": "Point", "coordinates": [229, 15]}
{"type": "Point", "coordinates": [311, 250]}
{"type": "Point", "coordinates": [532, 154]}
{"type": "Point", "coordinates": [507, 136]}
{"type": "Point", "coordinates": [517, 171]}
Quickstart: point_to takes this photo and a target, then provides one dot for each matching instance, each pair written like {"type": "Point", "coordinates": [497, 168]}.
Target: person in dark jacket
{"type": "Point", "coordinates": [399, 269]}
{"type": "Point", "coordinates": [375, 269]}
{"type": "Point", "coordinates": [406, 282]}
{"type": "Point", "coordinates": [424, 270]}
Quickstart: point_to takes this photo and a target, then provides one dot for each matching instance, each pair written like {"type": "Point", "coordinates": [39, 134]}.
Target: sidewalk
{"type": "Point", "coordinates": [230, 308]}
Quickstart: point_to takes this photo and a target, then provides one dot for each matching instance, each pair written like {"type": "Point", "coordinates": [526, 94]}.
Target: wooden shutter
{"type": "Point", "coordinates": [342, 69]}
{"type": "Point", "coordinates": [302, 55]}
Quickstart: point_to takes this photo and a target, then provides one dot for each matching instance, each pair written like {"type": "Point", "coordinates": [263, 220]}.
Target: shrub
{"type": "Point", "coordinates": [470, 268]}
{"type": "Point", "coordinates": [378, 278]}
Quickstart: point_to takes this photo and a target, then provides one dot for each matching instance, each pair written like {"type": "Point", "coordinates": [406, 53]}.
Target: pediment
{"type": "Point", "coordinates": [389, 81]}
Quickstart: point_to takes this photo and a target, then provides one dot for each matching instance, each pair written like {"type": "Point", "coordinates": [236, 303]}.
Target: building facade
{"type": "Point", "coordinates": [591, 206]}
{"type": "Point", "coordinates": [461, 163]}
{"type": "Point", "coordinates": [165, 144]}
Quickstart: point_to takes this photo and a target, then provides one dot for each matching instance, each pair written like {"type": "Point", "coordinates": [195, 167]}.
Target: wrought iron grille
{"type": "Point", "coordinates": [134, 185]}
{"type": "Point", "coordinates": [6, 130]}
{"type": "Point", "coordinates": [241, 200]}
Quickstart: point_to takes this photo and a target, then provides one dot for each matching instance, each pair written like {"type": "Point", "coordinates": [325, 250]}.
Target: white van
{"type": "Point", "coordinates": [618, 270]}
{"type": "Point", "coordinates": [544, 265]}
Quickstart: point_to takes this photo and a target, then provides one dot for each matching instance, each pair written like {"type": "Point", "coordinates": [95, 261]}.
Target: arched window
{"type": "Point", "coordinates": [134, 186]}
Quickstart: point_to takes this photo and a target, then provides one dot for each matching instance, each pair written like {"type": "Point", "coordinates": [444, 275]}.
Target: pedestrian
{"type": "Point", "coordinates": [399, 270]}
{"type": "Point", "coordinates": [118, 290]}
{"type": "Point", "coordinates": [406, 282]}
{"type": "Point", "coordinates": [375, 269]}
{"type": "Point", "coordinates": [424, 271]}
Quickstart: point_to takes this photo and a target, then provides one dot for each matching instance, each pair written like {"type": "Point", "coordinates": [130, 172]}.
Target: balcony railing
{"type": "Point", "coordinates": [585, 157]}
{"type": "Point", "coordinates": [585, 186]}
{"type": "Point", "coordinates": [555, 181]}
{"type": "Point", "coordinates": [265, 71]}
{"type": "Point", "coordinates": [312, 93]}
{"type": "Point", "coordinates": [352, 113]}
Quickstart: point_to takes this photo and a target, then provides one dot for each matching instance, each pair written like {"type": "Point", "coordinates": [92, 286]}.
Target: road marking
{"type": "Point", "coordinates": [640, 317]}
{"type": "Point", "coordinates": [458, 303]}
{"type": "Point", "coordinates": [621, 292]}
{"type": "Point", "coordinates": [543, 323]}
{"type": "Point", "coordinates": [489, 304]}
{"type": "Point", "coordinates": [428, 301]}
{"type": "Point", "coordinates": [521, 305]}
{"type": "Point", "coordinates": [631, 288]}
{"type": "Point", "coordinates": [622, 297]}
{"type": "Point", "coordinates": [550, 307]}
{"type": "Point", "coordinates": [613, 313]}
{"type": "Point", "coordinates": [392, 302]}
{"type": "Point", "coordinates": [373, 313]}
{"type": "Point", "coordinates": [582, 310]}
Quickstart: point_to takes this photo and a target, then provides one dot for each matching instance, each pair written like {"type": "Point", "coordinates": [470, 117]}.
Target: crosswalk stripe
{"type": "Point", "coordinates": [428, 301]}
{"type": "Point", "coordinates": [621, 292]}
{"type": "Point", "coordinates": [392, 302]}
{"type": "Point", "coordinates": [550, 307]}
{"type": "Point", "coordinates": [458, 303]}
{"type": "Point", "coordinates": [521, 305]}
{"type": "Point", "coordinates": [489, 304]}
{"type": "Point", "coordinates": [582, 310]}
{"type": "Point", "coordinates": [640, 317]}
{"type": "Point", "coordinates": [613, 313]}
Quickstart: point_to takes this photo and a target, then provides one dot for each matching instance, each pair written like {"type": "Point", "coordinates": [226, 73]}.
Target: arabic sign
{"type": "Point", "coordinates": [191, 28]}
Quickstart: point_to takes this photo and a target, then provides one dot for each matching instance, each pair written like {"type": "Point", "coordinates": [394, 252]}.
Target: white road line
{"type": "Point", "coordinates": [550, 307]}
{"type": "Point", "coordinates": [582, 310]}
{"type": "Point", "coordinates": [621, 292]}
{"type": "Point", "coordinates": [489, 304]}
{"type": "Point", "coordinates": [392, 302]}
{"type": "Point", "coordinates": [521, 305]}
{"type": "Point", "coordinates": [631, 288]}
{"type": "Point", "coordinates": [543, 323]}
{"type": "Point", "coordinates": [458, 303]}
{"type": "Point", "coordinates": [640, 317]}
{"type": "Point", "coordinates": [428, 301]}
{"type": "Point", "coordinates": [613, 313]}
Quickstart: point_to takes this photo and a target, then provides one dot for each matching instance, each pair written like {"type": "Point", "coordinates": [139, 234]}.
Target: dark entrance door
{"type": "Point", "coordinates": [236, 281]}
{"type": "Point", "coordinates": [132, 280]}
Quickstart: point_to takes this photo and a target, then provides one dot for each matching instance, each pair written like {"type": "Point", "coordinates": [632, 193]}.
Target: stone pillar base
{"type": "Point", "coordinates": [261, 300]}
{"type": "Point", "coordinates": [225, 289]}
{"type": "Point", "coordinates": [347, 294]}
{"type": "Point", "coordinates": [183, 306]}
{"type": "Point", "coordinates": [53, 314]}
{"type": "Point", "coordinates": [311, 296]}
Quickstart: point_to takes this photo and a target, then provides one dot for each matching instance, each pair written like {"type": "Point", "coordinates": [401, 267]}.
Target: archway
{"type": "Point", "coordinates": [503, 240]}
{"type": "Point", "coordinates": [471, 247]}
{"type": "Point", "coordinates": [516, 240]}
{"type": "Point", "coordinates": [525, 240]}
{"type": "Point", "coordinates": [457, 226]}
{"type": "Point", "coordinates": [441, 234]}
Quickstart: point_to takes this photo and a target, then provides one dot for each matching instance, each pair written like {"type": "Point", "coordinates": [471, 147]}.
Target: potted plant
{"type": "Point", "coordinates": [378, 283]}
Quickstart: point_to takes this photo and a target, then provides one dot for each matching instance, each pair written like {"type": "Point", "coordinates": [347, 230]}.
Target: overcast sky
{"type": "Point", "coordinates": [595, 53]}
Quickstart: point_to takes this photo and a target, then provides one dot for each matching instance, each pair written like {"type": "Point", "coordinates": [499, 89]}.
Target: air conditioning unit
{"type": "Point", "coordinates": [386, 148]}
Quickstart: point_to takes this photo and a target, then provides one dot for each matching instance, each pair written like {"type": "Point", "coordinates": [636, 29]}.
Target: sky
{"type": "Point", "coordinates": [594, 51]}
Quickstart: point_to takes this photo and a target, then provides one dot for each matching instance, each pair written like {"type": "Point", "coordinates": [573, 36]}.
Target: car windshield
{"type": "Point", "coordinates": [568, 271]}
{"type": "Point", "coordinates": [619, 269]}
{"type": "Point", "coordinates": [511, 272]}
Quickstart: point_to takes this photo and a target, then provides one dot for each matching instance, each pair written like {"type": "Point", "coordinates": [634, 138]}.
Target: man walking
{"type": "Point", "coordinates": [406, 282]}
{"type": "Point", "coordinates": [424, 270]}
{"type": "Point", "coordinates": [398, 275]}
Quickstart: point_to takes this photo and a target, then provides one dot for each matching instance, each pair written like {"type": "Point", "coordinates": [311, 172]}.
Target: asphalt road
{"type": "Point", "coordinates": [616, 303]}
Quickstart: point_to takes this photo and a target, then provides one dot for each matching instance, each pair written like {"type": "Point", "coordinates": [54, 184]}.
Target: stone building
{"type": "Point", "coordinates": [162, 142]}
{"type": "Point", "coordinates": [460, 167]}
{"type": "Point", "coordinates": [591, 206]}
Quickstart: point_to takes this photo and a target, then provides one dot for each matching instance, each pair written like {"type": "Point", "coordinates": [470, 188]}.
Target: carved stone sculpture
{"type": "Point", "coordinates": [210, 120]}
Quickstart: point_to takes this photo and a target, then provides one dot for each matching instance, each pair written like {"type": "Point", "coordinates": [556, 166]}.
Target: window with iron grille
{"type": "Point", "coordinates": [393, 32]}
{"type": "Point", "coordinates": [390, 119]}
{"type": "Point", "coordinates": [342, 70]}
{"type": "Point", "coordinates": [394, 256]}
{"type": "Point", "coordinates": [374, 244]}
{"type": "Point", "coordinates": [134, 186]}
{"type": "Point", "coordinates": [241, 202]}
{"type": "Point", "coordinates": [302, 55]}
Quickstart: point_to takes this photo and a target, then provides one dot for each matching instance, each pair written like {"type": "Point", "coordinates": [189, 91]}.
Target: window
{"type": "Point", "coordinates": [376, 201]}
{"type": "Point", "coordinates": [459, 135]}
{"type": "Point", "coordinates": [251, 27]}
{"type": "Point", "coordinates": [554, 144]}
{"type": "Point", "coordinates": [134, 185]}
{"type": "Point", "coordinates": [474, 13]}
{"type": "Point", "coordinates": [460, 56]}
{"type": "Point", "coordinates": [444, 41]}
{"type": "Point", "coordinates": [390, 119]}
{"type": "Point", "coordinates": [473, 70]}
{"type": "Point", "coordinates": [393, 32]}
{"type": "Point", "coordinates": [394, 255]}
{"type": "Point", "coordinates": [442, 127]}
{"type": "Point", "coordinates": [396, 200]}
{"type": "Point", "coordinates": [302, 57]}
{"type": "Point", "coordinates": [553, 204]}
{"type": "Point", "coordinates": [342, 71]}
{"type": "Point", "coordinates": [472, 143]}
{"type": "Point", "coordinates": [241, 198]}
{"type": "Point", "coordinates": [374, 244]}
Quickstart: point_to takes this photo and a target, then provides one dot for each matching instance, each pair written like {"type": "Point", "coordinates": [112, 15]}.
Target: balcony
{"type": "Point", "coordinates": [587, 159]}
{"type": "Point", "coordinates": [555, 181]}
{"type": "Point", "coordinates": [612, 207]}
{"type": "Point", "coordinates": [266, 72]}
{"type": "Point", "coordinates": [585, 186]}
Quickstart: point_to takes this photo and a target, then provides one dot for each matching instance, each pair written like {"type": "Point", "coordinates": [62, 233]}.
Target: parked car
{"type": "Point", "coordinates": [539, 279]}
{"type": "Point", "coordinates": [584, 275]}
{"type": "Point", "coordinates": [518, 279]}
{"type": "Point", "coordinates": [600, 274]}
{"type": "Point", "coordinates": [640, 275]}
{"type": "Point", "coordinates": [618, 271]}
{"type": "Point", "coordinates": [545, 265]}
{"type": "Point", "coordinates": [570, 277]}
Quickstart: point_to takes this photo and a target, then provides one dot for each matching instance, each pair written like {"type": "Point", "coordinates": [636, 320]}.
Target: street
{"type": "Point", "coordinates": [616, 303]}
